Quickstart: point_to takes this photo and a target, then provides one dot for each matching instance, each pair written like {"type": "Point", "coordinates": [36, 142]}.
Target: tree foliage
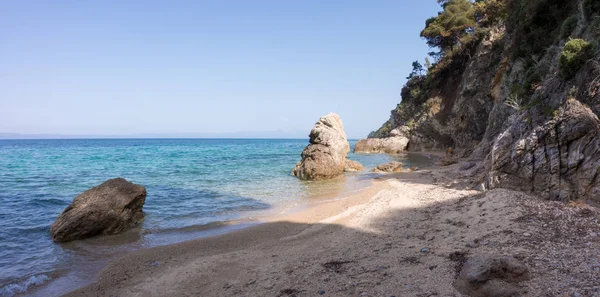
{"type": "Point", "coordinates": [417, 70]}
{"type": "Point", "coordinates": [489, 12]}
{"type": "Point", "coordinates": [446, 30]}
{"type": "Point", "coordinates": [460, 23]}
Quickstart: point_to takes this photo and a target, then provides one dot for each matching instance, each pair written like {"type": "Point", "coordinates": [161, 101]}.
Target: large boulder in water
{"type": "Point", "coordinates": [325, 156]}
{"type": "Point", "coordinates": [105, 209]}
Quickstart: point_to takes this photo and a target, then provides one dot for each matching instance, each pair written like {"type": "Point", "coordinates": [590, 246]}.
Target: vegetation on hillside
{"type": "Point", "coordinates": [575, 53]}
{"type": "Point", "coordinates": [543, 38]}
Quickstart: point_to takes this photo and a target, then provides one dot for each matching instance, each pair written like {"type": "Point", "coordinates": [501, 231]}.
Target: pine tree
{"type": "Point", "coordinates": [446, 30]}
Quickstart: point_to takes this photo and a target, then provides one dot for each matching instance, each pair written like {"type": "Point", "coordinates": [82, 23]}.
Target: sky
{"type": "Point", "coordinates": [204, 68]}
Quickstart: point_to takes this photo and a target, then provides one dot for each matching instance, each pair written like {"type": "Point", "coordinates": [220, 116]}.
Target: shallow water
{"type": "Point", "coordinates": [194, 185]}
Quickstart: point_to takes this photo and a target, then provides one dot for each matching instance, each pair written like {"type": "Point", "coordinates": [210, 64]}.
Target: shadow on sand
{"type": "Point", "coordinates": [398, 244]}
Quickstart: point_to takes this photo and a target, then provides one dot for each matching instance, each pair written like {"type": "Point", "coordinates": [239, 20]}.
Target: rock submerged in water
{"type": "Point", "coordinates": [393, 166]}
{"type": "Point", "coordinates": [395, 144]}
{"type": "Point", "coordinates": [353, 166]}
{"type": "Point", "coordinates": [102, 210]}
{"type": "Point", "coordinates": [325, 156]}
{"type": "Point", "coordinates": [491, 276]}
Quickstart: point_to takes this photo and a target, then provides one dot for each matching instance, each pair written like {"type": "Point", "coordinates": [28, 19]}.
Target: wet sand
{"type": "Point", "coordinates": [393, 238]}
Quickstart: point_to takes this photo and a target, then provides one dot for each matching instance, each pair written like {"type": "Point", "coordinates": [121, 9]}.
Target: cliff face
{"type": "Point", "coordinates": [523, 99]}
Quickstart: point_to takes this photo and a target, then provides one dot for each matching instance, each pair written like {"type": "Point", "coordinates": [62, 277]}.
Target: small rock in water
{"type": "Point", "coordinates": [425, 250]}
{"type": "Point", "coordinates": [393, 166]}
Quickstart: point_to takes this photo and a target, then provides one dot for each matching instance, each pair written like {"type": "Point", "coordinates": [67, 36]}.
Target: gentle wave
{"type": "Point", "coordinates": [22, 287]}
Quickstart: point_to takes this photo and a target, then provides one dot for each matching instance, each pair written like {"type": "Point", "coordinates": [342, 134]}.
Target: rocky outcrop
{"type": "Point", "coordinates": [353, 166]}
{"type": "Point", "coordinates": [491, 276]}
{"type": "Point", "coordinates": [395, 144]}
{"type": "Point", "coordinates": [456, 112]}
{"type": "Point", "coordinates": [505, 103]}
{"type": "Point", "coordinates": [558, 158]}
{"type": "Point", "coordinates": [105, 209]}
{"type": "Point", "coordinates": [325, 156]}
{"type": "Point", "coordinates": [393, 166]}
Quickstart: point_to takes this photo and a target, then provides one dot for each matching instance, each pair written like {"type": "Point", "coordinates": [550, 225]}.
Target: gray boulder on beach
{"type": "Point", "coordinates": [325, 156]}
{"type": "Point", "coordinates": [491, 276]}
{"type": "Point", "coordinates": [105, 209]}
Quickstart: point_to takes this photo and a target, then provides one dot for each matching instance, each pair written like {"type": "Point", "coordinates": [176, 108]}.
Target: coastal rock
{"type": "Point", "coordinates": [353, 166]}
{"type": "Point", "coordinates": [105, 209]}
{"type": "Point", "coordinates": [325, 156]}
{"type": "Point", "coordinates": [368, 146]}
{"type": "Point", "coordinates": [491, 276]}
{"type": "Point", "coordinates": [558, 157]}
{"type": "Point", "coordinates": [447, 161]}
{"type": "Point", "coordinates": [389, 145]}
{"type": "Point", "coordinates": [393, 166]}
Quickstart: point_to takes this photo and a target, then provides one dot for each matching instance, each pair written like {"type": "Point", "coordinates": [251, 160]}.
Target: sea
{"type": "Point", "coordinates": [196, 188]}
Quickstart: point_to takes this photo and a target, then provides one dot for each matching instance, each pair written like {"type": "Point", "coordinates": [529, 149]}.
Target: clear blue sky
{"type": "Point", "coordinates": [195, 67]}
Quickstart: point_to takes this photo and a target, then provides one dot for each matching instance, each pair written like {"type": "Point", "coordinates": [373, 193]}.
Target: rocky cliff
{"type": "Point", "coordinates": [521, 97]}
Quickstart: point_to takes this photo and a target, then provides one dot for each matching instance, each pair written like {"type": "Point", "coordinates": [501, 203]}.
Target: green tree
{"type": "Point", "coordinates": [454, 23]}
{"type": "Point", "coordinates": [417, 70]}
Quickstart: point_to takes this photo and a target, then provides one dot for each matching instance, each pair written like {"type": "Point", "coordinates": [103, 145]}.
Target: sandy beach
{"type": "Point", "coordinates": [445, 148]}
{"type": "Point", "coordinates": [406, 235]}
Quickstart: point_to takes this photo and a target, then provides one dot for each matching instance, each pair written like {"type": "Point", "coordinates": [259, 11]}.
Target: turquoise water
{"type": "Point", "coordinates": [190, 182]}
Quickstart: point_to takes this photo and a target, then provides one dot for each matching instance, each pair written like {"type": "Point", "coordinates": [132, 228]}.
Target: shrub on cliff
{"type": "Point", "coordinates": [533, 23]}
{"type": "Point", "coordinates": [575, 53]}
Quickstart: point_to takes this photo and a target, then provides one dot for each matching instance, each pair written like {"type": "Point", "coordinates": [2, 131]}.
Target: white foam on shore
{"type": "Point", "coordinates": [22, 287]}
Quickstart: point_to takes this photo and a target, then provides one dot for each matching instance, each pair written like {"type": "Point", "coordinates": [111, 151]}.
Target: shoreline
{"type": "Point", "coordinates": [113, 247]}
{"type": "Point", "coordinates": [371, 244]}
{"type": "Point", "coordinates": [319, 208]}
